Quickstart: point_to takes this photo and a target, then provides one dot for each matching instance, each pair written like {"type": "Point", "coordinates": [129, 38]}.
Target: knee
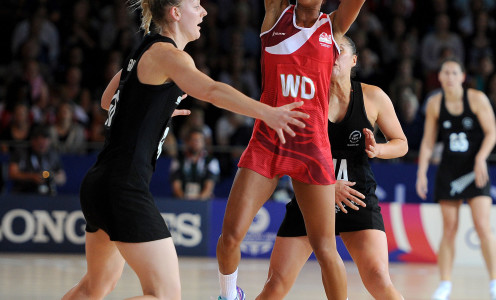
{"type": "Point", "coordinates": [325, 251]}
{"type": "Point", "coordinates": [275, 287]}
{"type": "Point", "coordinates": [377, 278]}
{"type": "Point", "coordinates": [482, 228]}
{"type": "Point", "coordinates": [96, 289]}
{"type": "Point", "coordinates": [170, 292]}
{"type": "Point", "coordinates": [449, 231]}
{"type": "Point", "coordinates": [231, 239]}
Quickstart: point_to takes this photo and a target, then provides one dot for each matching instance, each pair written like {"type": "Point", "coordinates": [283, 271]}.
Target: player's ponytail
{"type": "Point", "coordinates": [153, 12]}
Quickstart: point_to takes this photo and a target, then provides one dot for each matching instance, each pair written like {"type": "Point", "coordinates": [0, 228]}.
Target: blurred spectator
{"type": "Point", "coordinates": [440, 38]}
{"type": "Point", "coordinates": [36, 169]}
{"type": "Point", "coordinates": [480, 78]}
{"type": "Point", "coordinates": [479, 44]}
{"type": "Point", "coordinates": [67, 136]}
{"type": "Point", "coordinates": [411, 120]}
{"type": "Point", "coordinates": [194, 173]}
{"type": "Point", "coordinates": [39, 29]}
{"type": "Point", "coordinates": [16, 134]}
{"type": "Point", "coordinates": [404, 78]}
{"type": "Point", "coordinates": [72, 90]}
{"type": "Point", "coordinates": [196, 120]}
{"type": "Point", "coordinates": [434, 43]}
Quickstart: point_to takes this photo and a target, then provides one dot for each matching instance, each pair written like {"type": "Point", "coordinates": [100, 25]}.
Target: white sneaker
{"type": "Point", "coordinates": [441, 293]}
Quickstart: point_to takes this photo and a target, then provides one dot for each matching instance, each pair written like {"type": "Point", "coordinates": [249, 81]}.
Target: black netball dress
{"type": "Point", "coordinates": [115, 195]}
{"type": "Point", "coordinates": [351, 163]}
{"type": "Point", "coordinates": [462, 137]}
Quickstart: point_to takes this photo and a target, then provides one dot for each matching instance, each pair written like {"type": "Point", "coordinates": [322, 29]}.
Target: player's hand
{"type": "Point", "coordinates": [347, 195]}
{"type": "Point", "coordinates": [371, 147]}
{"type": "Point", "coordinates": [279, 118]}
{"type": "Point", "coordinates": [181, 112]}
{"type": "Point", "coordinates": [480, 171]}
{"type": "Point", "coordinates": [421, 186]}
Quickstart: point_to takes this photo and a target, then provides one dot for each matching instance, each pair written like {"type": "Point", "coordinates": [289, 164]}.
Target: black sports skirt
{"type": "Point", "coordinates": [126, 212]}
{"type": "Point", "coordinates": [369, 217]}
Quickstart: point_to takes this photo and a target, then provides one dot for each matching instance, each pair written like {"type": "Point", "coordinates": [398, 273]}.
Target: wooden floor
{"type": "Point", "coordinates": [49, 276]}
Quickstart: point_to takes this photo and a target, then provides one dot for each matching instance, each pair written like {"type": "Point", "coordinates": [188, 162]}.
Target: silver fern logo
{"type": "Point", "coordinates": [460, 184]}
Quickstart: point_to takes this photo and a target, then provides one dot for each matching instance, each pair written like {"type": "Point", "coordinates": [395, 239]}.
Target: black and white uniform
{"type": "Point", "coordinates": [462, 137]}
{"type": "Point", "coordinates": [115, 193]}
{"type": "Point", "coordinates": [351, 163]}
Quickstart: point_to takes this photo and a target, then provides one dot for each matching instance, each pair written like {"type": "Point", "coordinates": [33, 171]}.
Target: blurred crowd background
{"type": "Point", "coordinates": [58, 56]}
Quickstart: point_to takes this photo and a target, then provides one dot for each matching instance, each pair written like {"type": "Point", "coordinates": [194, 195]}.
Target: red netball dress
{"type": "Point", "coordinates": [296, 66]}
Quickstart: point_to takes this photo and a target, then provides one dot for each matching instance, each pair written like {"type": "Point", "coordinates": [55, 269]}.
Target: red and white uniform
{"type": "Point", "coordinates": [296, 66]}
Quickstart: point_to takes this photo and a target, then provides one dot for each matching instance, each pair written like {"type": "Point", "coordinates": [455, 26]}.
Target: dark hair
{"type": "Point", "coordinates": [152, 12]}
{"type": "Point", "coordinates": [354, 51]}
{"type": "Point", "coordinates": [452, 59]}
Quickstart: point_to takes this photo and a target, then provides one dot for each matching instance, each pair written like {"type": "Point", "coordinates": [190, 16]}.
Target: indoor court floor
{"type": "Point", "coordinates": [49, 276]}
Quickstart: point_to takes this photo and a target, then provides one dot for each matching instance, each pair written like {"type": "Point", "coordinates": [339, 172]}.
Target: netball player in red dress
{"type": "Point", "coordinates": [297, 48]}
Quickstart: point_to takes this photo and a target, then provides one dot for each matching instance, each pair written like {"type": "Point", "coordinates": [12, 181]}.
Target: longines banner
{"type": "Point", "coordinates": [56, 224]}
{"type": "Point", "coordinates": [43, 224]}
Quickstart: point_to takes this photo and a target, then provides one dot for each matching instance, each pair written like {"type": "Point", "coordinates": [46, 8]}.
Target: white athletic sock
{"type": "Point", "coordinates": [228, 285]}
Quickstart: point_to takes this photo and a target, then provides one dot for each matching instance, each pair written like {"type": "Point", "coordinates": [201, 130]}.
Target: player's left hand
{"type": "Point", "coordinates": [481, 174]}
{"type": "Point", "coordinates": [181, 112]}
{"type": "Point", "coordinates": [371, 147]}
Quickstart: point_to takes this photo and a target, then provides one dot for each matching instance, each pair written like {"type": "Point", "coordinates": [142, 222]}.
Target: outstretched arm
{"type": "Point", "coordinates": [179, 67]}
{"type": "Point", "coordinates": [344, 16]}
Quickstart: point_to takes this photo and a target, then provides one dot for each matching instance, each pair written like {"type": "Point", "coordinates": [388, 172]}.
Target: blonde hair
{"type": "Point", "coordinates": [152, 12]}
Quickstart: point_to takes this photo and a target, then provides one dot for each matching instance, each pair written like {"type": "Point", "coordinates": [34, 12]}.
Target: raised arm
{"type": "Point", "coordinates": [427, 145]}
{"type": "Point", "coordinates": [344, 16]}
{"type": "Point", "coordinates": [273, 9]}
{"type": "Point", "coordinates": [388, 123]}
{"type": "Point", "coordinates": [179, 67]}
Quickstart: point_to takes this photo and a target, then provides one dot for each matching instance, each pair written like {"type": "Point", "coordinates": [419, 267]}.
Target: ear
{"type": "Point", "coordinates": [175, 13]}
{"type": "Point", "coordinates": [355, 59]}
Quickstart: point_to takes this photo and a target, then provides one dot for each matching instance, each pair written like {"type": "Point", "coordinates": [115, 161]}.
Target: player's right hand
{"type": "Point", "coordinates": [348, 195]}
{"type": "Point", "coordinates": [280, 117]}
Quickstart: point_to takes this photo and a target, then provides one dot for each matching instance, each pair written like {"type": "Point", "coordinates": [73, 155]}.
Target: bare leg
{"type": "Point", "coordinates": [481, 211]}
{"type": "Point", "coordinates": [288, 256]}
{"type": "Point", "coordinates": [249, 192]}
{"type": "Point", "coordinates": [105, 265]}
{"type": "Point", "coordinates": [446, 254]}
{"type": "Point", "coordinates": [368, 248]}
{"type": "Point", "coordinates": [317, 206]}
{"type": "Point", "coordinates": [157, 268]}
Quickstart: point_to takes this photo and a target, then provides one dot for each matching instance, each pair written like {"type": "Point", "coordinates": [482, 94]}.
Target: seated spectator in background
{"type": "Point", "coordinates": [17, 131]}
{"type": "Point", "coordinates": [36, 169]}
{"type": "Point", "coordinates": [411, 121]}
{"type": "Point", "coordinates": [196, 120]}
{"type": "Point", "coordinates": [194, 173]}
{"type": "Point", "coordinates": [67, 135]}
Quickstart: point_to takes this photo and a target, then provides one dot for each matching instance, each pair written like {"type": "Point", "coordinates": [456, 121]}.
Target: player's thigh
{"type": "Point", "coordinates": [103, 258]}
{"type": "Point", "coordinates": [288, 256]}
{"type": "Point", "coordinates": [155, 263]}
{"type": "Point", "coordinates": [369, 250]}
{"type": "Point", "coordinates": [481, 211]}
{"type": "Point", "coordinates": [249, 192]}
{"type": "Point", "coordinates": [317, 206]}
